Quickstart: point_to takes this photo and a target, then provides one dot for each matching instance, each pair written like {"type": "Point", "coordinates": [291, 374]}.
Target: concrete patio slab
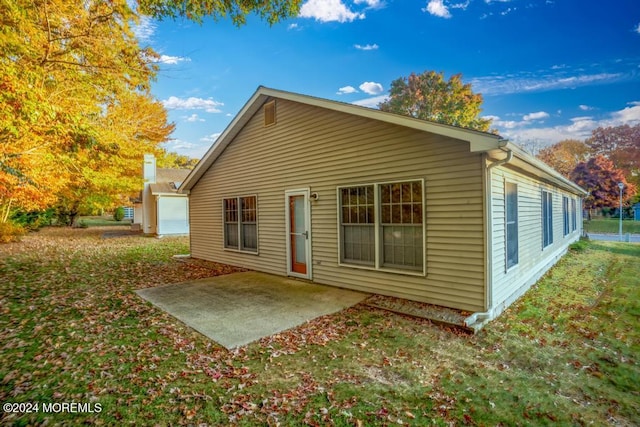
{"type": "Point", "coordinates": [240, 308]}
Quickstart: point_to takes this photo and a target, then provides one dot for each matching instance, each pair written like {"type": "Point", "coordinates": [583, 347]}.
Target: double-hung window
{"type": "Point", "coordinates": [574, 215]}
{"type": "Point", "coordinates": [357, 225]}
{"type": "Point", "coordinates": [565, 216]}
{"type": "Point", "coordinates": [511, 223]}
{"type": "Point", "coordinates": [241, 223]}
{"type": "Point", "coordinates": [547, 218]}
{"type": "Point", "coordinates": [382, 225]}
{"type": "Point", "coordinates": [401, 222]}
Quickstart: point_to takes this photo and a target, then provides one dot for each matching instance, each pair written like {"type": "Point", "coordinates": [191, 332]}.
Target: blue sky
{"type": "Point", "coordinates": [548, 69]}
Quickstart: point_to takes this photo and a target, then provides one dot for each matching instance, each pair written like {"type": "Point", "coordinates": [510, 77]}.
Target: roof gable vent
{"type": "Point", "coordinates": [270, 113]}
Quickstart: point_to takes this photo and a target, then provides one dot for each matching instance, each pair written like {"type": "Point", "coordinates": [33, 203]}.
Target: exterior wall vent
{"type": "Point", "coordinates": [270, 113]}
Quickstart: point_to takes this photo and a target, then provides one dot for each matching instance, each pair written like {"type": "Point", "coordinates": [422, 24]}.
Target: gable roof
{"type": "Point", "coordinates": [478, 141]}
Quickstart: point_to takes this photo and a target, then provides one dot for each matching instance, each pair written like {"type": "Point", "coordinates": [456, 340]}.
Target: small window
{"type": "Point", "coordinates": [241, 224]}
{"type": "Point", "coordinates": [511, 223]}
{"type": "Point", "coordinates": [270, 113]}
{"type": "Point", "coordinates": [547, 219]}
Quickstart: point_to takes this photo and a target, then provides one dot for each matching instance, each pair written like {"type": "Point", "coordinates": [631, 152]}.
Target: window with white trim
{"type": "Point", "coordinates": [382, 225]}
{"type": "Point", "coordinates": [565, 216]}
{"type": "Point", "coordinates": [241, 223]}
{"type": "Point", "coordinates": [547, 219]}
{"type": "Point", "coordinates": [511, 223]}
{"type": "Point", "coordinates": [357, 225]}
{"type": "Point", "coordinates": [401, 222]}
{"type": "Point", "coordinates": [574, 215]}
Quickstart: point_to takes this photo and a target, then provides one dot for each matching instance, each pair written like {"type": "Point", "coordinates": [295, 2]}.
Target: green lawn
{"type": "Point", "coordinates": [101, 221]}
{"type": "Point", "coordinates": [611, 226]}
{"type": "Point", "coordinates": [73, 330]}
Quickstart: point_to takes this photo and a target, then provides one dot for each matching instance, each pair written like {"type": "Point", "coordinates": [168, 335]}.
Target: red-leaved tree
{"type": "Point", "coordinates": [599, 177]}
{"type": "Point", "coordinates": [620, 144]}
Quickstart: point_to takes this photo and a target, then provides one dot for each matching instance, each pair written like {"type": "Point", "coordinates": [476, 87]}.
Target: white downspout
{"type": "Point", "coordinates": [482, 317]}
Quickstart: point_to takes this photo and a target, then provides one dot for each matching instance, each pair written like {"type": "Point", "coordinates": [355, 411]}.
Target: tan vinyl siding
{"type": "Point", "coordinates": [532, 258]}
{"type": "Point", "coordinates": [314, 148]}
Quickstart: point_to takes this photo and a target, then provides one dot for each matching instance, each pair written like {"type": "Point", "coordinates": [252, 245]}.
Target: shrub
{"type": "Point", "coordinates": [34, 220]}
{"type": "Point", "coordinates": [10, 232]}
{"type": "Point", "coordinates": [580, 246]}
{"type": "Point", "coordinates": [118, 215]}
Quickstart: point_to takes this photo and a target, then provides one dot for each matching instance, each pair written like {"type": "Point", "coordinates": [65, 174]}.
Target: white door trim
{"type": "Point", "coordinates": [307, 223]}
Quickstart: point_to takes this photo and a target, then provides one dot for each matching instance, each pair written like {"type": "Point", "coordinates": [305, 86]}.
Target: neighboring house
{"type": "Point", "coordinates": [161, 210]}
{"type": "Point", "coordinates": [362, 199]}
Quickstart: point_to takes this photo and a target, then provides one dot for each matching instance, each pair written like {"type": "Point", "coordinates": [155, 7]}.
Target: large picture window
{"type": "Point", "coordinates": [547, 219]}
{"type": "Point", "coordinates": [241, 223]}
{"type": "Point", "coordinates": [382, 225]}
{"type": "Point", "coordinates": [511, 223]}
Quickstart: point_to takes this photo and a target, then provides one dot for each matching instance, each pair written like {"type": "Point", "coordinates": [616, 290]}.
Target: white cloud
{"type": "Point", "coordinates": [508, 124]}
{"type": "Point", "coordinates": [328, 10]}
{"type": "Point", "coordinates": [371, 88]}
{"type": "Point", "coordinates": [637, 29]}
{"type": "Point", "coordinates": [535, 116]}
{"type": "Point", "coordinates": [437, 8]}
{"type": "Point", "coordinates": [503, 124]}
{"type": "Point", "coordinates": [372, 4]}
{"type": "Point", "coordinates": [462, 6]}
{"type": "Point", "coordinates": [195, 151]}
{"type": "Point", "coordinates": [145, 29]}
{"type": "Point", "coordinates": [629, 115]}
{"type": "Point", "coordinates": [585, 107]}
{"type": "Point", "coordinates": [193, 118]}
{"type": "Point", "coordinates": [167, 59]}
{"type": "Point", "coordinates": [579, 128]}
{"type": "Point", "coordinates": [529, 82]}
{"type": "Point", "coordinates": [211, 138]}
{"type": "Point", "coordinates": [293, 27]}
{"type": "Point", "coordinates": [371, 102]}
{"type": "Point", "coordinates": [366, 46]}
{"type": "Point", "coordinates": [192, 103]}
{"type": "Point", "coordinates": [346, 90]}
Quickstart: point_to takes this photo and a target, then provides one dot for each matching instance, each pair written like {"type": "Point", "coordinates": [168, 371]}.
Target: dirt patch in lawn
{"type": "Point", "coordinates": [437, 314]}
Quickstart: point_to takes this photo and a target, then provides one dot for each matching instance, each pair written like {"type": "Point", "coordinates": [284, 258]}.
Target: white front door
{"type": "Point", "coordinates": [298, 219]}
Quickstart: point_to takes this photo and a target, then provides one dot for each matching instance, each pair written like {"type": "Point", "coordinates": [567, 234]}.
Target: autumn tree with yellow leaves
{"type": "Point", "coordinates": [75, 109]}
{"type": "Point", "coordinates": [76, 112]}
